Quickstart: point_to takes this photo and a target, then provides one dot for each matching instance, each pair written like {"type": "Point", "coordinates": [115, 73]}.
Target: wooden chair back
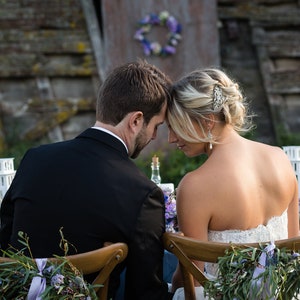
{"type": "Point", "coordinates": [101, 261]}
{"type": "Point", "coordinates": [187, 249]}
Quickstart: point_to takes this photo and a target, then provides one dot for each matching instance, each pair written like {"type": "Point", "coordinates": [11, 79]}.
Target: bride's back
{"type": "Point", "coordinates": [261, 182]}
{"type": "Point", "coordinates": [242, 185]}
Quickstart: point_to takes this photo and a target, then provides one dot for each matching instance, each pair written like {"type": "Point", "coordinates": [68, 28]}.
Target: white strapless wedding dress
{"type": "Point", "coordinates": [276, 229]}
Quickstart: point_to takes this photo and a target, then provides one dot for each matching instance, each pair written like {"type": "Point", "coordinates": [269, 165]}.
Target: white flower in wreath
{"type": "Point", "coordinates": [155, 47]}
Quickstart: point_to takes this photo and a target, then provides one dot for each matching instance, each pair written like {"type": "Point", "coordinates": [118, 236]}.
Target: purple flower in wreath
{"type": "Point", "coordinates": [139, 34]}
{"type": "Point", "coordinates": [57, 280]}
{"type": "Point", "coordinates": [145, 20]}
{"type": "Point", "coordinates": [154, 19]}
{"type": "Point", "coordinates": [170, 49]}
{"type": "Point", "coordinates": [172, 24]}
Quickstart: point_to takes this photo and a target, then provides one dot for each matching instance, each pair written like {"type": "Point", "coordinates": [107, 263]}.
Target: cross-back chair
{"type": "Point", "coordinates": [187, 249]}
{"type": "Point", "coordinates": [101, 261]}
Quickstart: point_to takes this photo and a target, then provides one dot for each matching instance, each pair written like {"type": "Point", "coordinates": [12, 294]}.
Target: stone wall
{"type": "Point", "coordinates": [48, 74]}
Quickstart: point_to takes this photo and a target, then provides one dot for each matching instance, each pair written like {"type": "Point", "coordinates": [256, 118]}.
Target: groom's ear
{"type": "Point", "coordinates": [136, 121]}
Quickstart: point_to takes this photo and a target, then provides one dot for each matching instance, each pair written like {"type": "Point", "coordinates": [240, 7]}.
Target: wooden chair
{"type": "Point", "coordinates": [101, 261]}
{"type": "Point", "coordinates": [187, 249]}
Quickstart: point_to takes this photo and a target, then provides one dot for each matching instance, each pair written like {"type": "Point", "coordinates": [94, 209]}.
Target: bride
{"type": "Point", "coordinates": [246, 191]}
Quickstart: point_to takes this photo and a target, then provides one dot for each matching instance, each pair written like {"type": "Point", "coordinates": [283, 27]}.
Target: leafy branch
{"type": "Point", "coordinates": [236, 279]}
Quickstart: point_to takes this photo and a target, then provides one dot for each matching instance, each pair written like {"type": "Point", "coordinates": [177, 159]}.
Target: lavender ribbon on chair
{"type": "Point", "coordinates": [38, 283]}
{"type": "Point", "coordinates": [257, 282]}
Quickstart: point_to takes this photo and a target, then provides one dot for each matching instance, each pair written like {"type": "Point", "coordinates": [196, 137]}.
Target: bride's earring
{"type": "Point", "coordinates": [209, 135]}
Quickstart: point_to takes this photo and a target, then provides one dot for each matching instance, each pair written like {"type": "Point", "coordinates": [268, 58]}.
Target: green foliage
{"type": "Point", "coordinates": [15, 147]}
{"type": "Point", "coordinates": [173, 165]}
{"type": "Point", "coordinates": [279, 279]}
{"type": "Point", "coordinates": [63, 280]}
{"type": "Point", "coordinates": [17, 151]}
{"type": "Point", "coordinates": [287, 139]}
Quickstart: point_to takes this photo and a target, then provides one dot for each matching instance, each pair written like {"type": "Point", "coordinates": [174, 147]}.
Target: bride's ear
{"type": "Point", "coordinates": [210, 121]}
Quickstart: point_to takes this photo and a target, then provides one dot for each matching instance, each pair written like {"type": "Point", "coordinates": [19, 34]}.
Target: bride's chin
{"type": "Point", "coordinates": [188, 154]}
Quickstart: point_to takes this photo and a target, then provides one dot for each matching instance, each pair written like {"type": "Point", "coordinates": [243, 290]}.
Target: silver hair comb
{"type": "Point", "coordinates": [218, 99]}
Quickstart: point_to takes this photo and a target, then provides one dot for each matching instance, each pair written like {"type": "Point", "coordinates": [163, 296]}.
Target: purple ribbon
{"type": "Point", "coordinates": [257, 282]}
{"type": "Point", "coordinates": [38, 283]}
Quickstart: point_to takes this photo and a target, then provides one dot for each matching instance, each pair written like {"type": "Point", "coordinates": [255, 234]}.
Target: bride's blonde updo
{"type": "Point", "coordinates": [204, 92]}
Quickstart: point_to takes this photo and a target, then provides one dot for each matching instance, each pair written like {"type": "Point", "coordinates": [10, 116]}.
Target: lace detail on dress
{"type": "Point", "coordinates": [276, 229]}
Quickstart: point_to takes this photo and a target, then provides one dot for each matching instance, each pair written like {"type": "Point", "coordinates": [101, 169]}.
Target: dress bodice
{"type": "Point", "coordinates": [275, 229]}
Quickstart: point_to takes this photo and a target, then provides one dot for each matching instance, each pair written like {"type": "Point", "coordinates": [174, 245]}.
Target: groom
{"type": "Point", "coordinates": [90, 186]}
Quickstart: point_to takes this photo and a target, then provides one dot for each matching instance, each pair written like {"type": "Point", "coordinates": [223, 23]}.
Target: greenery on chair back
{"type": "Point", "coordinates": [242, 276]}
{"type": "Point", "coordinates": [59, 280]}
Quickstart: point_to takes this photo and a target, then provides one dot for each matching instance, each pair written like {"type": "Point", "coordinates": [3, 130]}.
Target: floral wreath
{"type": "Point", "coordinates": [26, 278]}
{"type": "Point", "coordinates": [264, 272]}
{"type": "Point", "coordinates": [163, 19]}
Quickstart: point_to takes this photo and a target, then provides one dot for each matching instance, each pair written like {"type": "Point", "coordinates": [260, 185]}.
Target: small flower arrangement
{"type": "Point", "coordinates": [26, 278]}
{"type": "Point", "coordinates": [170, 211]}
{"type": "Point", "coordinates": [162, 19]}
{"type": "Point", "coordinates": [256, 273]}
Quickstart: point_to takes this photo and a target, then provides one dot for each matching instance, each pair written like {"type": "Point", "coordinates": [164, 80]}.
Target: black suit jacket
{"type": "Point", "coordinates": [91, 188]}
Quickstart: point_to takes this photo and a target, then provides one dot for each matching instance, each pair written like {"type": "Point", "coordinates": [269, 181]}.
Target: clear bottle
{"type": "Point", "coordinates": [155, 175]}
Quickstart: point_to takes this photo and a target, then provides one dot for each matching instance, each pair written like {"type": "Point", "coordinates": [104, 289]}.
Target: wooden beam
{"type": "Point", "coordinates": [27, 65]}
